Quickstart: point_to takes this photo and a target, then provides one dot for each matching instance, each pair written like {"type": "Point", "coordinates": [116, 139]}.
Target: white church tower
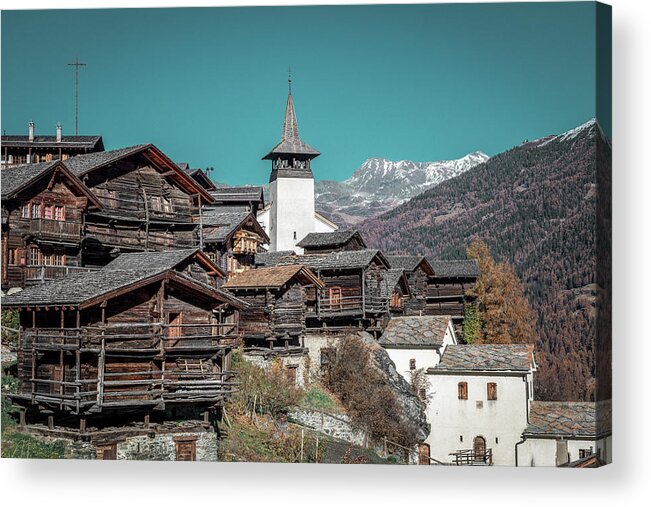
{"type": "Point", "coordinates": [292, 213]}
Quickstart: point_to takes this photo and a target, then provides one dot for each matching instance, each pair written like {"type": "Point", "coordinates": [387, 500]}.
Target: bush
{"type": "Point", "coordinates": [365, 393]}
{"type": "Point", "coordinates": [268, 389]}
{"type": "Point", "coordinates": [10, 324]}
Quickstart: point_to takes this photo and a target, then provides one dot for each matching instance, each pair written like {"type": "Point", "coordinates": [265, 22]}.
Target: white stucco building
{"type": "Point", "coordinates": [479, 402]}
{"type": "Point", "coordinates": [417, 342]}
{"type": "Point", "coordinates": [566, 433]}
{"type": "Point", "coordinates": [291, 214]}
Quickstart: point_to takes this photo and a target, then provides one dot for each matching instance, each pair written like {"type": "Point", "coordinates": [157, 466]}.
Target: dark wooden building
{"type": "Point", "coordinates": [326, 242]}
{"type": "Point", "coordinates": [279, 299]}
{"type": "Point", "coordinates": [354, 292]}
{"type": "Point", "coordinates": [148, 203]}
{"type": "Point", "coordinates": [43, 207]}
{"type": "Point", "coordinates": [123, 341]}
{"type": "Point", "coordinates": [198, 175]}
{"type": "Point", "coordinates": [418, 271]}
{"type": "Point", "coordinates": [33, 149]}
{"type": "Point", "coordinates": [232, 239]}
{"type": "Point", "coordinates": [447, 290]}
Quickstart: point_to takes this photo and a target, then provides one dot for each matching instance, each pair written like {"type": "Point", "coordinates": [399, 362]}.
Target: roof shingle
{"type": "Point", "coordinates": [427, 331]}
{"type": "Point", "coordinates": [329, 239]}
{"type": "Point", "coordinates": [569, 418]}
{"type": "Point", "coordinates": [455, 269]}
{"type": "Point", "coordinates": [517, 357]}
{"type": "Point", "coordinates": [272, 277]}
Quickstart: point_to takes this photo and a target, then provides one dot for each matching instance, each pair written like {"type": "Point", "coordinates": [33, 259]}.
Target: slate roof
{"type": "Point", "coordinates": [151, 261]}
{"type": "Point", "coordinates": [15, 178]}
{"type": "Point", "coordinates": [485, 358]}
{"type": "Point", "coordinates": [49, 141]}
{"type": "Point", "coordinates": [219, 225]}
{"type": "Point", "coordinates": [272, 277]}
{"type": "Point", "coordinates": [455, 269]}
{"type": "Point", "coordinates": [78, 288]}
{"type": "Point", "coordinates": [329, 239]}
{"type": "Point", "coordinates": [272, 258]}
{"type": "Point", "coordinates": [425, 332]}
{"type": "Point", "coordinates": [569, 419]}
{"type": "Point", "coordinates": [81, 164]}
{"type": "Point", "coordinates": [407, 262]}
{"type": "Point", "coordinates": [290, 141]}
{"type": "Point", "coordinates": [238, 194]}
{"type": "Point", "coordinates": [391, 278]}
{"type": "Point", "coordinates": [184, 166]}
{"type": "Point", "coordinates": [354, 259]}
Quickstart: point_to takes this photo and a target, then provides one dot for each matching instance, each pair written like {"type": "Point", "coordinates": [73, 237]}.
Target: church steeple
{"type": "Point", "coordinates": [291, 156]}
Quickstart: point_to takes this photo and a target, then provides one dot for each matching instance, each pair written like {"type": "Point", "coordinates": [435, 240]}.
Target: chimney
{"type": "Point", "coordinates": [58, 132]}
{"type": "Point", "coordinates": [31, 131]}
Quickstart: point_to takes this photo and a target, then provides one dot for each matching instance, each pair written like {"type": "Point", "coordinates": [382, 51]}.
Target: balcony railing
{"type": "Point", "coordinates": [351, 305]}
{"type": "Point", "coordinates": [42, 273]}
{"type": "Point", "coordinates": [472, 457]}
{"type": "Point", "coordinates": [57, 229]}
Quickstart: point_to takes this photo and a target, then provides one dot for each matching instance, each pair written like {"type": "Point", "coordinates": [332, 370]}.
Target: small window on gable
{"type": "Point", "coordinates": [412, 364]}
{"type": "Point", "coordinates": [463, 390]}
{"type": "Point", "coordinates": [24, 212]}
{"type": "Point", "coordinates": [48, 211]}
{"type": "Point", "coordinates": [36, 210]}
{"type": "Point", "coordinates": [491, 390]}
{"type": "Point", "coordinates": [59, 213]}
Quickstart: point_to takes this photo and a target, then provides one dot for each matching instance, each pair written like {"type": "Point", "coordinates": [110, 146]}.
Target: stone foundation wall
{"type": "Point", "coordinates": [337, 426]}
{"type": "Point", "coordinates": [302, 364]}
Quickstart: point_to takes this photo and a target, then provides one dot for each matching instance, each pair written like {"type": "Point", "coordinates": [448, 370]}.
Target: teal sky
{"type": "Point", "coordinates": [209, 85]}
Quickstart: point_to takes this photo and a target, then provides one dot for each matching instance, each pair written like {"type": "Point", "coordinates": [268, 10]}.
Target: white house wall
{"type": "Point", "coordinates": [503, 419]}
{"type": "Point", "coordinates": [541, 452]}
{"type": "Point", "coordinates": [425, 358]}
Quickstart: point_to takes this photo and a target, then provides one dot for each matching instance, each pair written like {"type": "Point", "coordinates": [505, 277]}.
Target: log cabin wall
{"type": "Point", "coordinates": [255, 322]}
{"type": "Point", "coordinates": [42, 234]}
{"type": "Point", "coordinates": [417, 303]}
{"type": "Point", "coordinates": [288, 314]}
{"type": "Point", "coordinates": [447, 296]}
{"type": "Point", "coordinates": [144, 210]}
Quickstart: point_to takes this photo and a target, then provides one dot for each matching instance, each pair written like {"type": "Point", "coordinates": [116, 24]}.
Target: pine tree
{"type": "Point", "coordinates": [503, 310]}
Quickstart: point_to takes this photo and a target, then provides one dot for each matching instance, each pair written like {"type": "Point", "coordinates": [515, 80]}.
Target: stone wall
{"type": "Point", "coordinates": [338, 426]}
{"type": "Point", "coordinates": [315, 343]}
{"type": "Point", "coordinates": [162, 447]}
{"type": "Point", "coordinates": [301, 362]}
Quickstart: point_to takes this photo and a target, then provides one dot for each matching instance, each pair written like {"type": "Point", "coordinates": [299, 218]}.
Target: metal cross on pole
{"type": "Point", "coordinates": [76, 65]}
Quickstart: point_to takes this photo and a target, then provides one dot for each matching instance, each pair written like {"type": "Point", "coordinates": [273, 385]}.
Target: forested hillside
{"type": "Point", "coordinates": [535, 206]}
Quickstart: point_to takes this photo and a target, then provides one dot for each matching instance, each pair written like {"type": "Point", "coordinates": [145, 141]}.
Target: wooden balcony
{"type": "Point", "coordinates": [40, 273]}
{"type": "Point", "coordinates": [472, 458]}
{"type": "Point", "coordinates": [55, 229]}
{"type": "Point", "coordinates": [350, 305]}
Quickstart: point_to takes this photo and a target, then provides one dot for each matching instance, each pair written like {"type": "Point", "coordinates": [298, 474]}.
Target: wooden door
{"type": "Point", "coordinates": [175, 330]}
{"type": "Point", "coordinates": [479, 448]}
{"type": "Point", "coordinates": [335, 297]}
{"type": "Point", "coordinates": [186, 450]}
{"type": "Point", "coordinates": [109, 451]}
{"type": "Point", "coordinates": [423, 454]}
{"type": "Point", "coordinates": [57, 376]}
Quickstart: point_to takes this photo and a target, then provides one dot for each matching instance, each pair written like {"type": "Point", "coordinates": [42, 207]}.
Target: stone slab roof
{"type": "Point", "coordinates": [151, 261]}
{"type": "Point", "coordinates": [391, 278]}
{"type": "Point", "coordinates": [409, 262]}
{"type": "Point", "coordinates": [237, 194]}
{"type": "Point", "coordinates": [463, 358]}
{"type": "Point", "coordinates": [83, 163]}
{"type": "Point", "coordinates": [219, 225]}
{"type": "Point", "coordinates": [569, 419]}
{"type": "Point", "coordinates": [15, 178]}
{"type": "Point", "coordinates": [354, 259]}
{"type": "Point", "coordinates": [272, 277]}
{"type": "Point", "coordinates": [272, 258]}
{"type": "Point", "coordinates": [329, 239]}
{"type": "Point", "coordinates": [427, 331]}
{"type": "Point", "coordinates": [455, 268]}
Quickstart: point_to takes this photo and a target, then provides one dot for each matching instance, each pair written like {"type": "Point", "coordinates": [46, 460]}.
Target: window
{"type": "Point", "coordinates": [460, 438]}
{"type": "Point", "coordinates": [294, 234]}
{"type": "Point", "coordinates": [491, 390]}
{"type": "Point", "coordinates": [36, 210]}
{"type": "Point", "coordinates": [59, 213]}
{"type": "Point", "coordinates": [186, 449]}
{"type": "Point", "coordinates": [497, 440]}
{"type": "Point", "coordinates": [584, 453]}
{"type": "Point", "coordinates": [422, 394]}
{"type": "Point", "coordinates": [48, 211]}
{"type": "Point", "coordinates": [34, 257]}
{"type": "Point", "coordinates": [463, 390]}
{"type": "Point", "coordinates": [54, 259]}
{"type": "Point", "coordinates": [412, 364]}
{"type": "Point", "coordinates": [13, 256]}
{"type": "Point", "coordinates": [24, 212]}
{"type": "Point", "coordinates": [396, 300]}
{"type": "Point", "coordinates": [423, 454]}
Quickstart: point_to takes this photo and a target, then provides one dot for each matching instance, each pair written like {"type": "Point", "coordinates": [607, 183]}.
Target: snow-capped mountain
{"type": "Point", "coordinates": [380, 184]}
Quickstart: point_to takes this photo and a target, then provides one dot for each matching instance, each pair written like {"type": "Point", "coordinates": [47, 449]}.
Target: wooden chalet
{"type": "Point", "coordinates": [232, 239]}
{"type": "Point", "coordinates": [448, 287]}
{"type": "Point", "coordinates": [396, 290]}
{"type": "Point", "coordinates": [247, 198]}
{"type": "Point", "coordinates": [354, 291]}
{"type": "Point", "coordinates": [33, 149]}
{"type": "Point", "coordinates": [326, 242]}
{"type": "Point", "coordinates": [149, 203]}
{"type": "Point", "coordinates": [43, 207]}
{"type": "Point", "coordinates": [418, 271]}
{"type": "Point", "coordinates": [123, 341]}
{"type": "Point", "coordinates": [279, 299]}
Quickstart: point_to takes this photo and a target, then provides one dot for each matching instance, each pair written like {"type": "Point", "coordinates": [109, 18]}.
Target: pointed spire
{"type": "Point", "coordinates": [290, 141]}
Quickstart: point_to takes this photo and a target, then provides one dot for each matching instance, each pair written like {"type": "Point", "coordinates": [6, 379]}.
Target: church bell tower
{"type": "Point", "coordinates": [291, 185]}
